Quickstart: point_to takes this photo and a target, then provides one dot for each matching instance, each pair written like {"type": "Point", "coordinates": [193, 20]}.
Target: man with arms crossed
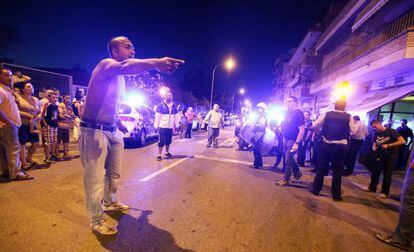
{"type": "Point", "coordinates": [100, 143]}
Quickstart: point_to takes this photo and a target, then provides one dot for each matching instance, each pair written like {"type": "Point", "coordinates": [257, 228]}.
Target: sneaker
{"type": "Point", "coordinates": [55, 158]}
{"type": "Point", "coordinates": [337, 199]}
{"type": "Point", "coordinates": [297, 179]}
{"type": "Point", "coordinates": [389, 240]}
{"type": "Point", "coordinates": [367, 189]}
{"type": "Point", "coordinates": [168, 154]}
{"type": "Point", "coordinates": [22, 177]}
{"type": "Point", "coordinates": [282, 182]}
{"type": "Point", "coordinates": [159, 158]}
{"type": "Point", "coordinates": [103, 228]}
{"type": "Point", "coordinates": [115, 207]}
{"type": "Point", "coordinates": [208, 145]}
{"type": "Point", "coordinates": [383, 196]}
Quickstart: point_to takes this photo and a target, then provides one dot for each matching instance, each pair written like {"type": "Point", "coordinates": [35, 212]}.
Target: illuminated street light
{"type": "Point", "coordinates": [342, 91]}
{"type": "Point", "coordinates": [229, 65]}
{"type": "Point", "coordinates": [247, 103]}
{"type": "Point", "coordinates": [241, 92]}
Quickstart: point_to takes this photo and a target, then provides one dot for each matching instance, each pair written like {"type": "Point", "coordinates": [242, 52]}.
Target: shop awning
{"type": "Point", "coordinates": [374, 99]}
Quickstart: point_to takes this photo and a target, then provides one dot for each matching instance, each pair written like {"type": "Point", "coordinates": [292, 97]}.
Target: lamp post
{"type": "Point", "coordinates": [229, 64]}
{"type": "Point", "coordinates": [241, 92]}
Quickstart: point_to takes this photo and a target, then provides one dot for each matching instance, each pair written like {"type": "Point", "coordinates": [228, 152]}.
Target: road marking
{"type": "Point", "coordinates": [228, 160]}
{"type": "Point", "coordinates": [166, 168]}
{"type": "Point", "coordinates": [357, 185]}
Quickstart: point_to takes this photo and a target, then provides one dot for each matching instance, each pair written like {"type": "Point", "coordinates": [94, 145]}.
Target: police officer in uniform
{"type": "Point", "coordinates": [336, 126]}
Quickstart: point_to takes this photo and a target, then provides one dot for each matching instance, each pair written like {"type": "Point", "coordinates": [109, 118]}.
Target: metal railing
{"type": "Point", "coordinates": [389, 32]}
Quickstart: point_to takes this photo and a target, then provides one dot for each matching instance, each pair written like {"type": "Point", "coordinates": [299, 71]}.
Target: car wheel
{"type": "Point", "coordinates": [142, 138]}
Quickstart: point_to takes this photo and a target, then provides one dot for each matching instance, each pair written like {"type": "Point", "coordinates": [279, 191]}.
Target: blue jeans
{"type": "Point", "coordinates": [101, 156]}
{"type": "Point", "coordinates": [290, 160]}
{"type": "Point", "coordinates": [405, 230]}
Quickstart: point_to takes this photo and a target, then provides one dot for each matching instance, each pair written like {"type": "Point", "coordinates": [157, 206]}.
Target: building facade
{"type": "Point", "coordinates": [370, 45]}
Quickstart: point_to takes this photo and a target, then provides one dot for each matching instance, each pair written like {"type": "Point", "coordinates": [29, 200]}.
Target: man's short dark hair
{"type": "Point", "coordinates": [375, 121]}
{"type": "Point", "coordinates": [340, 105]}
{"type": "Point", "coordinates": [20, 85]}
{"type": "Point", "coordinates": [404, 121]}
{"type": "Point", "coordinates": [114, 43]}
{"type": "Point", "coordinates": [293, 98]}
{"type": "Point", "coordinates": [357, 118]}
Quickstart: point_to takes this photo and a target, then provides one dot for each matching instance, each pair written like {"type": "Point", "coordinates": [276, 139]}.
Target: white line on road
{"type": "Point", "coordinates": [153, 175]}
{"type": "Point", "coordinates": [228, 160]}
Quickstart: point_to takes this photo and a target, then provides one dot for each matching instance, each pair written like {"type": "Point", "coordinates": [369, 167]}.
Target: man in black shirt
{"type": "Point", "coordinates": [386, 142]}
{"type": "Point", "coordinates": [406, 133]}
{"type": "Point", "coordinates": [293, 129]}
{"type": "Point", "coordinates": [336, 126]}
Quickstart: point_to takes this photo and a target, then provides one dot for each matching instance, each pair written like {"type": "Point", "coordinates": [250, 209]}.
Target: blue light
{"type": "Point", "coordinates": [135, 99]}
{"type": "Point", "coordinates": [276, 113]}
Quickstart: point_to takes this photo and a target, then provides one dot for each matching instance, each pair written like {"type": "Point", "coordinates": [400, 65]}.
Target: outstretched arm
{"type": "Point", "coordinates": [112, 67]}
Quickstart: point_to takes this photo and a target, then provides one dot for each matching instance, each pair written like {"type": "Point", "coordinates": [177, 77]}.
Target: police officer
{"type": "Point", "coordinates": [336, 126]}
{"type": "Point", "coordinates": [260, 130]}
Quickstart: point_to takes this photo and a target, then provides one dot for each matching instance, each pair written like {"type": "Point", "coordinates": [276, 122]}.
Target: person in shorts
{"type": "Point", "coordinates": [66, 117]}
{"type": "Point", "coordinates": [50, 118]}
{"type": "Point", "coordinates": [167, 120]}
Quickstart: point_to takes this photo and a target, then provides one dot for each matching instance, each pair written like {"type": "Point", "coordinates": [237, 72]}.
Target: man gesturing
{"type": "Point", "coordinates": [100, 143]}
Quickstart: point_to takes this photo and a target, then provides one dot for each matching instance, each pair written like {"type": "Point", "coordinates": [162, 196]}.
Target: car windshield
{"type": "Point", "coordinates": [125, 109]}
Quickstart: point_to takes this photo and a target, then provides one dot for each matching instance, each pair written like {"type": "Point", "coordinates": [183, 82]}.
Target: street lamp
{"type": "Point", "coordinates": [342, 91]}
{"type": "Point", "coordinates": [242, 91]}
{"type": "Point", "coordinates": [229, 65]}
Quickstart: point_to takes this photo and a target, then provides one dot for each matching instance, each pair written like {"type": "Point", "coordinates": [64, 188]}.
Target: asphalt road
{"type": "Point", "coordinates": [203, 199]}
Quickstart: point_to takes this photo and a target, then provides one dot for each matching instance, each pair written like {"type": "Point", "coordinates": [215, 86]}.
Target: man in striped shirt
{"type": "Point", "coordinates": [100, 143]}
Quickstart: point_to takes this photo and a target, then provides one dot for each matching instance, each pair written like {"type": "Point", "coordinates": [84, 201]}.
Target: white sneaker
{"type": "Point", "coordinates": [366, 189]}
{"type": "Point", "coordinates": [103, 227]}
{"type": "Point", "coordinates": [115, 207]}
{"type": "Point", "coordinates": [383, 196]}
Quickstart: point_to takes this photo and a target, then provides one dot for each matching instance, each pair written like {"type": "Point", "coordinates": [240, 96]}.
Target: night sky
{"type": "Point", "coordinates": [64, 33]}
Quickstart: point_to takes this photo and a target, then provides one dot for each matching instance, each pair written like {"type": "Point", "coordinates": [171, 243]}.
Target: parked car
{"type": "Point", "coordinates": [139, 120]}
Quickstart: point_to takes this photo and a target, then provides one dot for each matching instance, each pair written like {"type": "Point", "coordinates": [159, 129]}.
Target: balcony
{"type": "Point", "coordinates": [389, 47]}
{"type": "Point", "coordinates": [395, 29]}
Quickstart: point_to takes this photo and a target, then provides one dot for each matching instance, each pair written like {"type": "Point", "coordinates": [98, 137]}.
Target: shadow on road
{"type": "Point", "coordinates": [329, 210]}
{"type": "Point", "coordinates": [371, 203]}
{"type": "Point", "coordinates": [137, 234]}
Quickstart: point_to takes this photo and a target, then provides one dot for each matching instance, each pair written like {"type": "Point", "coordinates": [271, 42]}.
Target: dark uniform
{"type": "Point", "coordinates": [336, 130]}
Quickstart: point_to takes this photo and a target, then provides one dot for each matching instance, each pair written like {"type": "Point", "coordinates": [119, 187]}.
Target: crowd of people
{"type": "Point", "coordinates": [26, 121]}
{"type": "Point", "coordinates": [335, 138]}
